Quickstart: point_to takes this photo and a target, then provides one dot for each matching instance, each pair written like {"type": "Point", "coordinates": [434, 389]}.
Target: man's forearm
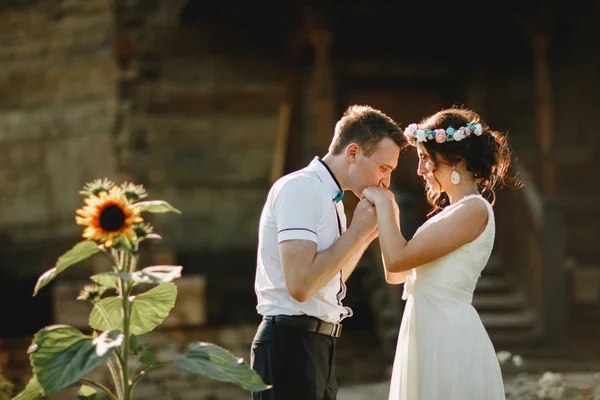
{"type": "Point", "coordinates": [350, 266]}
{"type": "Point", "coordinates": [328, 263]}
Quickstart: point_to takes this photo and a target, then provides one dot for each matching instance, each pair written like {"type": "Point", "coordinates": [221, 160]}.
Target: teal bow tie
{"type": "Point", "coordinates": [338, 197]}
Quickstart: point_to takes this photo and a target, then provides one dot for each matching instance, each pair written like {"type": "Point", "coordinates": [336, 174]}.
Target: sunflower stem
{"type": "Point", "coordinates": [125, 353]}
{"type": "Point", "coordinates": [146, 371]}
{"type": "Point", "coordinates": [134, 258]}
{"type": "Point", "coordinates": [110, 256]}
{"type": "Point", "coordinates": [99, 386]}
{"type": "Point", "coordinates": [131, 262]}
{"type": "Point", "coordinates": [116, 372]}
{"type": "Point", "coordinates": [125, 291]}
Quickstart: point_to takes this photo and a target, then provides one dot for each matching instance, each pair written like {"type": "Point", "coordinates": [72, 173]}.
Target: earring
{"type": "Point", "coordinates": [455, 177]}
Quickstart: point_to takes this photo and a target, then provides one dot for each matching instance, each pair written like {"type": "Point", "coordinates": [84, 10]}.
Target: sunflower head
{"type": "Point", "coordinates": [91, 293]}
{"type": "Point", "coordinates": [108, 216]}
{"type": "Point", "coordinates": [143, 230]}
{"type": "Point", "coordinates": [134, 192]}
{"type": "Point", "coordinates": [96, 187]}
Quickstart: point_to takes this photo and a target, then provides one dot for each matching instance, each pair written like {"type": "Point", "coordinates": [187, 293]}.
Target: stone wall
{"type": "Point", "coordinates": [190, 109]}
{"type": "Point", "coordinates": [57, 106]}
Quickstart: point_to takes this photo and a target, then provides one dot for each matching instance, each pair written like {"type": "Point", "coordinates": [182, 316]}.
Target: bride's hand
{"type": "Point", "coordinates": [377, 194]}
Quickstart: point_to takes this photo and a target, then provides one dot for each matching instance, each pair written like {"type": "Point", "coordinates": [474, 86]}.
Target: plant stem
{"type": "Point", "coordinates": [99, 386]}
{"type": "Point", "coordinates": [124, 293]}
{"type": "Point", "coordinates": [110, 256]}
{"type": "Point", "coordinates": [145, 372]}
{"type": "Point", "coordinates": [116, 372]}
{"type": "Point", "coordinates": [131, 263]}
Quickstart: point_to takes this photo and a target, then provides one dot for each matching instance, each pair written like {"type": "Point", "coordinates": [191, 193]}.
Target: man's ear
{"type": "Point", "coordinates": [352, 151]}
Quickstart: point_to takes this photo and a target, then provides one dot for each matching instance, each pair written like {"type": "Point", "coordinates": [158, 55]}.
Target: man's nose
{"type": "Point", "coordinates": [385, 181]}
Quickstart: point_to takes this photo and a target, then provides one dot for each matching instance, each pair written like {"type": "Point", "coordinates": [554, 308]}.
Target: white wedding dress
{"type": "Point", "coordinates": [444, 351]}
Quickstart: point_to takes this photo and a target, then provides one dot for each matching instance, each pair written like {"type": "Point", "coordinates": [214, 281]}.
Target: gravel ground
{"type": "Point", "coordinates": [379, 391]}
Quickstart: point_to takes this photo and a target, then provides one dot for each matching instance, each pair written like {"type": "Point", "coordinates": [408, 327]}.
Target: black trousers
{"type": "Point", "coordinates": [299, 364]}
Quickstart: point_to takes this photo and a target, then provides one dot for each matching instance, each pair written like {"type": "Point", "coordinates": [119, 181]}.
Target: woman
{"type": "Point", "coordinates": [444, 351]}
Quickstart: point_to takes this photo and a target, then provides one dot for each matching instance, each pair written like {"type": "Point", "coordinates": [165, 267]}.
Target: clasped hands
{"type": "Point", "coordinates": [365, 213]}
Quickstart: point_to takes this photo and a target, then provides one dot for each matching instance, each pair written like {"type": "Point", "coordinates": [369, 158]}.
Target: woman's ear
{"type": "Point", "coordinates": [352, 151]}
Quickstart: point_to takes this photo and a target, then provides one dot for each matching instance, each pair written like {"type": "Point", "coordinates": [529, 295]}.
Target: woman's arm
{"type": "Point", "coordinates": [458, 227]}
{"type": "Point", "coordinates": [395, 278]}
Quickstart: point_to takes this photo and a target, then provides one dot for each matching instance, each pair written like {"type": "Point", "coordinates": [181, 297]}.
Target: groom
{"type": "Point", "coordinates": [305, 254]}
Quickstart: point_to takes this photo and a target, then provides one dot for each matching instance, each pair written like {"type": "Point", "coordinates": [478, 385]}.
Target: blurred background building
{"type": "Point", "coordinates": [207, 103]}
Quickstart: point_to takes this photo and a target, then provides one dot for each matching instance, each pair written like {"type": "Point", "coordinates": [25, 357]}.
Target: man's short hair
{"type": "Point", "coordinates": [365, 126]}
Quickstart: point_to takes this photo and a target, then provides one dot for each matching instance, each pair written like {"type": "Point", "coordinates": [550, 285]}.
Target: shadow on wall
{"type": "Point", "coordinates": [16, 290]}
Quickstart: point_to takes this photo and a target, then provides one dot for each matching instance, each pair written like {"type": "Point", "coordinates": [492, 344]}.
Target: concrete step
{"type": "Point", "coordinates": [530, 338]}
{"type": "Point", "coordinates": [495, 266]}
{"type": "Point", "coordinates": [499, 301]}
{"type": "Point", "coordinates": [509, 320]}
{"type": "Point", "coordinates": [493, 284]}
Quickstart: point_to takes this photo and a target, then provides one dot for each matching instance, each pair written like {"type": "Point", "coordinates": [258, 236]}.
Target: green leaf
{"type": "Point", "coordinates": [79, 252]}
{"type": "Point", "coordinates": [124, 244]}
{"type": "Point", "coordinates": [106, 279]}
{"type": "Point", "coordinates": [134, 344]}
{"type": "Point", "coordinates": [33, 390]}
{"type": "Point", "coordinates": [113, 310]}
{"type": "Point", "coordinates": [86, 393]}
{"type": "Point", "coordinates": [148, 358]}
{"type": "Point", "coordinates": [155, 206]}
{"type": "Point", "coordinates": [154, 275]}
{"type": "Point", "coordinates": [216, 363]}
{"type": "Point", "coordinates": [148, 310]}
{"type": "Point", "coordinates": [61, 355]}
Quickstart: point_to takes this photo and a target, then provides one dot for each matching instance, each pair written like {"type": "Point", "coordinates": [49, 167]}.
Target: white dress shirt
{"type": "Point", "coordinates": [300, 206]}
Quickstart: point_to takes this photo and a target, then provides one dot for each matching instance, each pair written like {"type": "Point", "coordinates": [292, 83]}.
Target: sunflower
{"type": "Point", "coordinates": [134, 192]}
{"type": "Point", "coordinates": [108, 216]}
{"type": "Point", "coordinates": [97, 186]}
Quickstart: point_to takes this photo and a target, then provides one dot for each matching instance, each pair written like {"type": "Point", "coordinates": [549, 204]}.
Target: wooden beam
{"type": "Point", "coordinates": [321, 39]}
{"type": "Point", "coordinates": [284, 136]}
{"type": "Point", "coordinates": [281, 141]}
{"type": "Point", "coordinates": [538, 28]}
{"type": "Point", "coordinates": [544, 112]}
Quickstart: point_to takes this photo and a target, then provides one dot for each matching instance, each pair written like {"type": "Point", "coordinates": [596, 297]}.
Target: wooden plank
{"type": "Point", "coordinates": [205, 100]}
{"type": "Point", "coordinates": [281, 141]}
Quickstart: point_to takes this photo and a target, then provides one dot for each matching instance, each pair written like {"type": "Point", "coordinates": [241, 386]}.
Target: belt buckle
{"type": "Point", "coordinates": [337, 330]}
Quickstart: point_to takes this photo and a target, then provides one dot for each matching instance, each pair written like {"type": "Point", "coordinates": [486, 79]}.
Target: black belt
{"type": "Point", "coordinates": [306, 323]}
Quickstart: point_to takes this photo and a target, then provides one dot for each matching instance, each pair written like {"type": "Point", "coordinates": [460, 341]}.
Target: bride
{"type": "Point", "coordinates": [443, 350]}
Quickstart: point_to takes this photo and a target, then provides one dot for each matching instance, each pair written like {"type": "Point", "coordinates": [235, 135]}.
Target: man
{"type": "Point", "coordinates": [305, 254]}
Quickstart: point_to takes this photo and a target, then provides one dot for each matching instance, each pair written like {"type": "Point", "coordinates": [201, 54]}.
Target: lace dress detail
{"type": "Point", "coordinates": [444, 351]}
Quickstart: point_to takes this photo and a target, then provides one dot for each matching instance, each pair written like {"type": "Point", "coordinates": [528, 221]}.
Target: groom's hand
{"type": "Point", "coordinates": [364, 219]}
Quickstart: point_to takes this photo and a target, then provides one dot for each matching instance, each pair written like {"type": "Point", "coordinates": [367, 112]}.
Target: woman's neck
{"type": "Point", "coordinates": [461, 190]}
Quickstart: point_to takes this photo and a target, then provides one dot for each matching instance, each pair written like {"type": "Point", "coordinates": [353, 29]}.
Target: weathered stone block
{"type": "Point", "coordinates": [65, 306]}
{"type": "Point", "coordinates": [189, 309]}
{"type": "Point", "coordinates": [213, 218]}
{"type": "Point", "coordinates": [184, 151]}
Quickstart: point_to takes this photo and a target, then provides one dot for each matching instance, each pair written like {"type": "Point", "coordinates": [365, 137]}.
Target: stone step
{"type": "Point", "coordinates": [509, 320]}
{"type": "Point", "coordinates": [528, 337]}
{"type": "Point", "coordinates": [499, 302]}
{"type": "Point", "coordinates": [493, 284]}
{"type": "Point", "coordinates": [495, 266]}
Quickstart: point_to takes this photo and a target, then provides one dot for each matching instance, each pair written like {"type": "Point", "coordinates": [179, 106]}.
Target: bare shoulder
{"type": "Point", "coordinates": [472, 208]}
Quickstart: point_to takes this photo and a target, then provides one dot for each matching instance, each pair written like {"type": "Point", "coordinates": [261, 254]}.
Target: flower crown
{"type": "Point", "coordinates": [413, 132]}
